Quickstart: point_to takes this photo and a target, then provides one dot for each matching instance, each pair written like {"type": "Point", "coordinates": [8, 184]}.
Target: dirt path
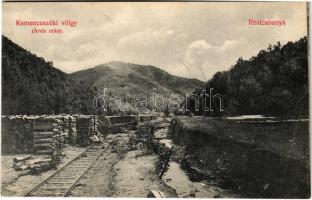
{"type": "Point", "coordinates": [135, 176]}
{"type": "Point", "coordinates": [177, 179]}
{"type": "Point", "coordinates": [97, 181]}
{"type": "Point", "coordinates": [121, 174]}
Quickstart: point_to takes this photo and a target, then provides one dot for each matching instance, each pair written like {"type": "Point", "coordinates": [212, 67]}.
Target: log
{"type": "Point", "coordinates": [39, 161]}
{"type": "Point", "coordinates": [43, 140]}
{"type": "Point", "coordinates": [47, 126]}
{"type": "Point", "coordinates": [43, 146]}
{"type": "Point", "coordinates": [41, 135]}
{"type": "Point", "coordinates": [44, 152]}
{"type": "Point", "coordinates": [23, 158]}
{"type": "Point", "coordinates": [56, 130]}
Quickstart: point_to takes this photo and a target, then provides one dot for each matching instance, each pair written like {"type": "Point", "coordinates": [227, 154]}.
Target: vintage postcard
{"type": "Point", "coordinates": [155, 99]}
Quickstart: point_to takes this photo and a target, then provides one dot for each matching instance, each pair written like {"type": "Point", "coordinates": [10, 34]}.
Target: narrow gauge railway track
{"type": "Point", "coordinates": [61, 182]}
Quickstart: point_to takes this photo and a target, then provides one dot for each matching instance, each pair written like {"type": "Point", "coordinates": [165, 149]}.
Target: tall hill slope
{"type": "Point", "coordinates": [274, 82]}
{"type": "Point", "coordinates": [124, 79]}
{"type": "Point", "coordinates": [31, 85]}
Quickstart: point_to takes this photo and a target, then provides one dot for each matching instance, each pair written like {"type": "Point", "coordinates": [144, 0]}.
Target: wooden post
{"type": "Point", "coordinates": [93, 124]}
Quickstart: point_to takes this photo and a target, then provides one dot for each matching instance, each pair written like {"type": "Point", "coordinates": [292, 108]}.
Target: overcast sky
{"type": "Point", "coordinates": [186, 39]}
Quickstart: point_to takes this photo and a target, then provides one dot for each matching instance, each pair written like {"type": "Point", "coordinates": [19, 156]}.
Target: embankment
{"type": "Point", "coordinates": [256, 158]}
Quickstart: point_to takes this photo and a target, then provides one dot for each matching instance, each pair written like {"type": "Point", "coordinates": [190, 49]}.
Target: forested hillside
{"type": "Point", "coordinates": [31, 85]}
{"type": "Point", "coordinates": [124, 79]}
{"type": "Point", "coordinates": [275, 82]}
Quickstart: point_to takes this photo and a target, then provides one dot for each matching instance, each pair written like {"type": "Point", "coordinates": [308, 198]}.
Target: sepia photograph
{"type": "Point", "coordinates": [155, 99]}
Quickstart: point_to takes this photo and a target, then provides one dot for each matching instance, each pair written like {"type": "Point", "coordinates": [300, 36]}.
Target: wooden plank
{"type": "Point", "coordinates": [39, 161]}
{"type": "Point", "coordinates": [44, 121]}
{"type": "Point", "coordinates": [22, 158]}
{"type": "Point", "coordinates": [41, 135]}
{"type": "Point", "coordinates": [44, 152]}
{"type": "Point", "coordinates": [43, 140]}
{"type": "Point", "coordinates": [42, 146]}
{"type": "Point", "coordinates": [45, 126]}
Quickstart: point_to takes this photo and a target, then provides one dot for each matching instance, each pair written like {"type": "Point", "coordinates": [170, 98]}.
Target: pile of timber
{"type": "Point", "coordinates": [45, 143]}
{"type": "Point", "coordinates": [111, 129]}
{"type": "Point", "coordinates": [49, 136]}
{"type": "Point", "coordinates": [16, 135]}
{"type": "Point", "coordinates": [18, 132]}
{"type": "Point", "coordinates": [67, 129]}
{"type": "Point", "coordinates": [60, 133]}
{"type": "Point", "coordinates": [72, 131]}
{"type": "Point", "coordinates": [42, 136]}
{"type": "Point", "coordinates": [46, 152]}
{"type": "Point", "coordinates": [125, 119]}
{"type": "Point", "coordinates": [116, 124]}
{"type": "Point", "coordinates": [85, 129]}
{"type": "Point", "coordinates": [146, 118]}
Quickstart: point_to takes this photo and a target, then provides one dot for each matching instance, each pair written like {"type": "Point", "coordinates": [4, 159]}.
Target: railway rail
{"type": "Point", "coordinates": [61, 182]}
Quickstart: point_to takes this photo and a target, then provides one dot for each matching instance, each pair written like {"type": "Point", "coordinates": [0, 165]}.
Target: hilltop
{"type": "Point", "coordinates": [32, 85]}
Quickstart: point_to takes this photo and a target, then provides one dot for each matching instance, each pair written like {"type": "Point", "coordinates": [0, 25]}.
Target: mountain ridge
{"type": "Point", "coordinates": [32, 85]}
{"type": "Point", "coordinates": [119, 73]}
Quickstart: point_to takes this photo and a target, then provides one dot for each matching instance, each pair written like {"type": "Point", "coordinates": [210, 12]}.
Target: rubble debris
{"type": "Point", "coordinates": [120, 144]}
{"type": "Point", "coordinates": [16, 135]}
